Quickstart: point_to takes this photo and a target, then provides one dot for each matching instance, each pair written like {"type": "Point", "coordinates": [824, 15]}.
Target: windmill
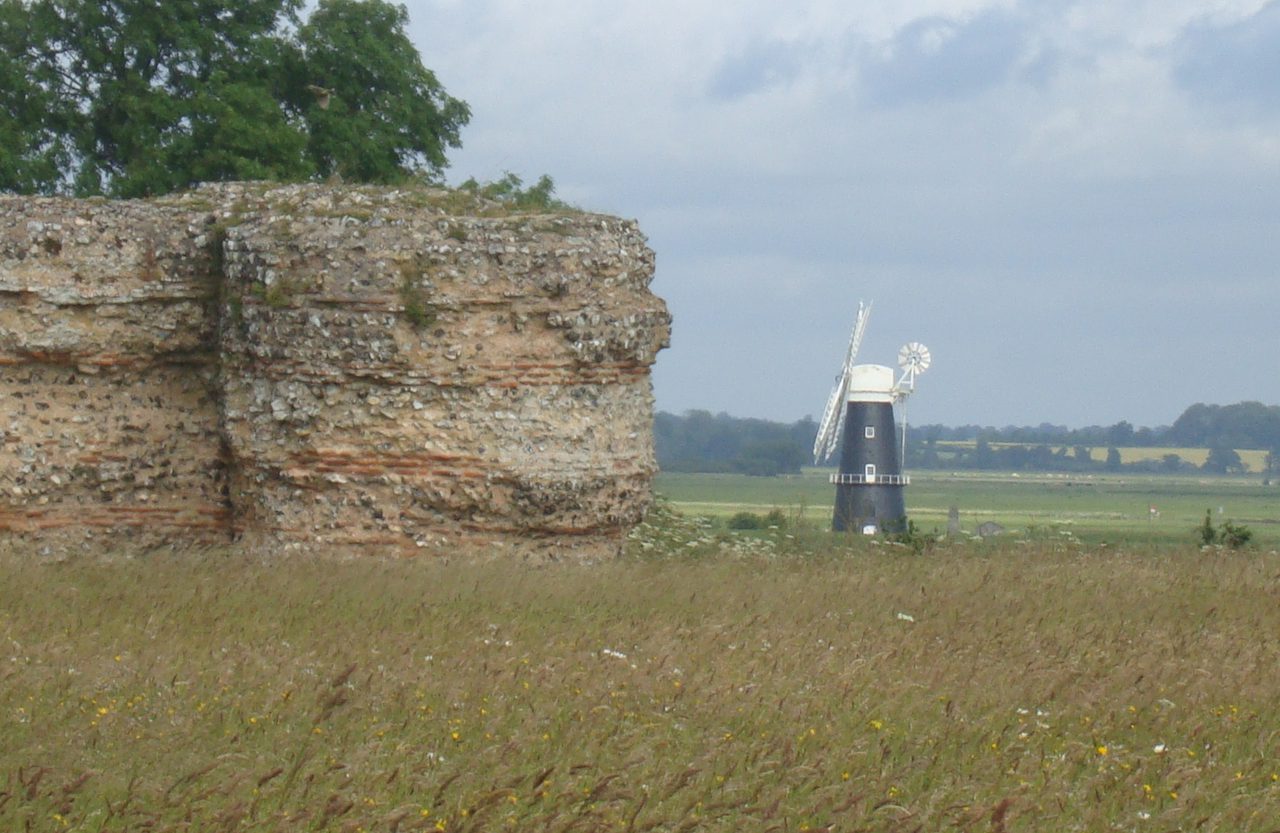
{"type": "Point", "coordinates": [869, 483]}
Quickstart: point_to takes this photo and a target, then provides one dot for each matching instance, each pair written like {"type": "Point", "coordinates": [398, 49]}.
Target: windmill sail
{"type": "Point", "coordinates": [832, 425]}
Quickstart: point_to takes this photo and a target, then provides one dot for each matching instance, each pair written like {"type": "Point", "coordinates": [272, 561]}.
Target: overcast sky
{"type": "Point", "coordinates": [1075, 205]}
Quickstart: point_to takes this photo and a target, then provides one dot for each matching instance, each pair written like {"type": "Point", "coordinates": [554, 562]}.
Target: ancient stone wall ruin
{"type": "Point", "coordinates": [299, 366]}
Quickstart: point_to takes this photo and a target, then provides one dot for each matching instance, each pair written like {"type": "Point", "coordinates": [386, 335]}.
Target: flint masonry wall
{"type": "Point", "coordinates": [300, 366]}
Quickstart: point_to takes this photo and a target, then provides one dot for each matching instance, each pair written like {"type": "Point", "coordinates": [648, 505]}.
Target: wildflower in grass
{"type": "Point", "coordinates": [1101, 749]}
{"type": "Point", "coordinates": [876, 724]}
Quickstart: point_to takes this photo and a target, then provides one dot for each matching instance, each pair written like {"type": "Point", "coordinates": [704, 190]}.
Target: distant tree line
{"type": "Point", "coordinates": [701, 441]}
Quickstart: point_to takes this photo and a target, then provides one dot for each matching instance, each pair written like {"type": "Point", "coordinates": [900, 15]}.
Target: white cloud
{"type": "Point", "coordinates": [1029, 188]}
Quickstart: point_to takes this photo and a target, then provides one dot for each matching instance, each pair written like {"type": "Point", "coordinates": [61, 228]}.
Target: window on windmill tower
{"type": "Point", "coordinates": [869, 432]}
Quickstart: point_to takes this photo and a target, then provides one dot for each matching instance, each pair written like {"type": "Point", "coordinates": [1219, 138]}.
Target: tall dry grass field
{"type": "Point", "coordinates": [1054, 688]}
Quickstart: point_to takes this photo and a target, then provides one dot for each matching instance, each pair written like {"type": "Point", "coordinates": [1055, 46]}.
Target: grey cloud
{"type": "Point", "coordinates": [761, 65]}
{"type": "Point", "coordinates": [1234, 65]}
{"type": "Point", "coordinates": [931, 59]}
{"type": "Point", "coordinates": [1076, 287]}
{"type": "Point", "coordinates": [939, 58]}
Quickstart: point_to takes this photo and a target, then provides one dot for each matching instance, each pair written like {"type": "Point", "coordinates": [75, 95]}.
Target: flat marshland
{"type": "Point", "coordinates": [861, 687]}
{"type": "Point", "coordinates": [1150, 509]}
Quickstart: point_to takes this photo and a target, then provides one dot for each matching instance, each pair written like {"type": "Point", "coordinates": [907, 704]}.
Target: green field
{"type": "Point", "coordinates": [1095, 508]}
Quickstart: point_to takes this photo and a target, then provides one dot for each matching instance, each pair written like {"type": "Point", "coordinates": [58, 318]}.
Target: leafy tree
{"type": "Point", "coordinates": [152, 97]}
{"type": "Point", "coordinates": [1113, 459]}
{"type": "Point", "coordinates": [33, 147]}
{"type": "Point", "coordinates": [1243, 425]}
{"type": "Point", "coordinates": [1120, 434]}
{"type": "Point", "coordinates": [983, 456]}
{"type": "Point", "coordinates": [134, 97]}
{"type": "Point", "coordinates": [375, 114]}
{"type": "Point", "coordinates": [1223, 460]}
{"type": "Point", "coordinates": [1193, 426]}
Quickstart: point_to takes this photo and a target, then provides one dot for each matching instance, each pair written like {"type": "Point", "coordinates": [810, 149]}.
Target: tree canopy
{"type": "Point", "coordinates": [134, 97]}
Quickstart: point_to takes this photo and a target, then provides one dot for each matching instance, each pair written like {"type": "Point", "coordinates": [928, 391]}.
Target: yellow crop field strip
{"type": "Point", "coordinates": [1254, 458]}
{"type": "Point", "coordinates": [697, 684]}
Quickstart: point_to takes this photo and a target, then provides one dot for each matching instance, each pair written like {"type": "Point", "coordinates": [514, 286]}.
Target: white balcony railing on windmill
{"type": "Point", "coordinates": [872, 479]}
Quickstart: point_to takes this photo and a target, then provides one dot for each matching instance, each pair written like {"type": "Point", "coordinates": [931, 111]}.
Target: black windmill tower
{"type": "Point", "coordinates": [859, 418]}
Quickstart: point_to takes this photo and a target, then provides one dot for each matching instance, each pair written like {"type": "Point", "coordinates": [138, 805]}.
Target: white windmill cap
{"type": "Point", "coordinates": [871, 383]}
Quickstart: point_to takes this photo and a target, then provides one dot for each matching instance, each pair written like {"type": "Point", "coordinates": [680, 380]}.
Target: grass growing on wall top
{"type": "Point", "coordinates": [1061, 688]}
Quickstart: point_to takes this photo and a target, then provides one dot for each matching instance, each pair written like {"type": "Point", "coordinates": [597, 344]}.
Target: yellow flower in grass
{"type": "Point", "coordinates": [1101, 749]}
